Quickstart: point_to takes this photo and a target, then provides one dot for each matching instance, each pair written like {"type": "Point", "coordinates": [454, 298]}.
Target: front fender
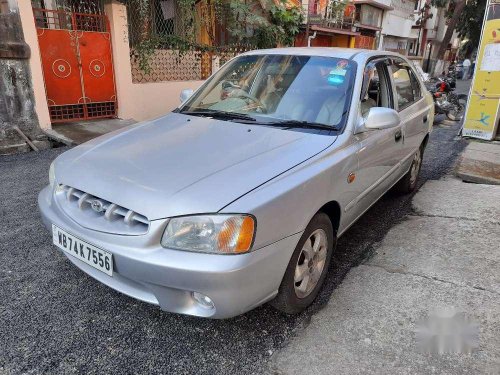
{"type": "Point", "coordinates": [285, 205]}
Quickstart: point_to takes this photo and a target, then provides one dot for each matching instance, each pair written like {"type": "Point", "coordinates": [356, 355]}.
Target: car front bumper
{"type": "Point", "coordinates": [146, 271]}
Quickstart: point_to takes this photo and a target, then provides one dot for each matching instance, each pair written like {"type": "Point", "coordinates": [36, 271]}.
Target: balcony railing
{"type": "Point", "coordinates": [335, 18]}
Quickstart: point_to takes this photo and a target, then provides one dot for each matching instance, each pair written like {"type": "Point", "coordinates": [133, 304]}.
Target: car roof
{"type": "Point", "coordinates": [342, 53]}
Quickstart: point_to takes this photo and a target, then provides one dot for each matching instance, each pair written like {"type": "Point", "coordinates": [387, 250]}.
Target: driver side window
{"type": "Point", "coordinates": [376, 90]}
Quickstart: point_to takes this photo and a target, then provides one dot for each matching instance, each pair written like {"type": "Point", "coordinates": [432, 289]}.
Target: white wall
{"type": "Point", "coordinates": [441, 24]}
{"type": "Point", "coordinates": [387, 3]}
{"type": "Point", "coordinates": [398, 22]}
{"type": "Point", "coordinates": [396, 25]}
{"type": "Point", "coordinates": [432, 22]}
{"type": "Point", "coordinates": [31, 38]}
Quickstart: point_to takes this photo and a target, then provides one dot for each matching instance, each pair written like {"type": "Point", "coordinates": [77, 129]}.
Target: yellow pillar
{"type": "Point", "coordinates": [483, 110]}
{"type": "Point", "coordinates": [352, 40]}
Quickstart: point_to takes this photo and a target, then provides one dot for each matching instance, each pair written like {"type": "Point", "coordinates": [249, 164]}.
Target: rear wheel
{"type": "Point", "coordinates": [308, 266]}
{"type": "Point", "coordinates": [457, 112]}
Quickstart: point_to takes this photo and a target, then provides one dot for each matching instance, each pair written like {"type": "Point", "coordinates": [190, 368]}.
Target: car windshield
{"type": "Point", "coordinates": [278, 89]}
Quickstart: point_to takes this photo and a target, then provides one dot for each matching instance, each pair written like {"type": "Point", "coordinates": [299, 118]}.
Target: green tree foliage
{"type": "Point", "coordinates": [469, 20]}
{"type": "Point", "coordinates": [255, 23]}
{"type": "Point", "coordinates": [470, 23]}
{"type": "Point", "coordinates": [283, 25]}
{"type": "Point", "coordinates": [454, 10]}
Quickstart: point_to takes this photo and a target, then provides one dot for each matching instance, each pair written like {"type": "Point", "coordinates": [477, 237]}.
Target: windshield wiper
{"type": "Point", "coordinates": [291, 124]}
{"type": "Point", "coordinates": [221, 115]}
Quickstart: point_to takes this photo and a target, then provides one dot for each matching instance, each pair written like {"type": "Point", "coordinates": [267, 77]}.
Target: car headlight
{"type": "Point", "coordinates": [52, 174]}
{"type": "Point", "coordinates": [228, 234]}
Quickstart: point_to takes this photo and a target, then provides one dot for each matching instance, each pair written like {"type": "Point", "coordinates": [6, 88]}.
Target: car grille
{"type": "Point", "coordinates": [99, 214]}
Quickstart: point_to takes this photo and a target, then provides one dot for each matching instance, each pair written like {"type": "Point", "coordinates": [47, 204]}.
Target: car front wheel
{"type": "Point", "coordinates": [308, 266]}
{"type": "Point", "coordinates": [408, 183]}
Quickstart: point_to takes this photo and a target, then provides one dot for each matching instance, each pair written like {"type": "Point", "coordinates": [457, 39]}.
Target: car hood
{"type": "Point", "coordinates": [179, 164]}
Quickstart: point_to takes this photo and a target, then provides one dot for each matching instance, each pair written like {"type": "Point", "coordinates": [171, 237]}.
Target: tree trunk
{"type": "Point", "coordinates": [459, 7]}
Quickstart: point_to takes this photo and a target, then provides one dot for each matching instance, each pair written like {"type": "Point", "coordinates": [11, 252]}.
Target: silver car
{"type": "Point", "coordinates": [238, 196]}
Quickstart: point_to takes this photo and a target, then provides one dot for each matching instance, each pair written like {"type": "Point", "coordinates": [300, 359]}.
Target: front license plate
{"type": "Point", "coordinates": [93, 256]}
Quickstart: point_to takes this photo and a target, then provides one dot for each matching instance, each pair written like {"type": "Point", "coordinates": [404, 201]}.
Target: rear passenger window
{"type": "Point", "coordinates": [407, 85]}
{"type": "Point", "coordinates": [376, 83]}
{"type": "Point", "coordinates": [417, 94]}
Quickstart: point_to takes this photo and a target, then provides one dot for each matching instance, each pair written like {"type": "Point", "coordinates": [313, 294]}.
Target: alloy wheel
{"type": "Point", "coordinates": [415, 167]}
{"type": "Point", "coordinates": [310, 263]}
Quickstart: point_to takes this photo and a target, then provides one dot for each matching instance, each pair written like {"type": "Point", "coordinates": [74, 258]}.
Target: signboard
{"type": "Point", "coordinates": [483, 108]}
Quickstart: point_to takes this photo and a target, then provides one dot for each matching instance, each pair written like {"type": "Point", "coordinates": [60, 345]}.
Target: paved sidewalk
{"type": "Point", "coordinates": [76, 133]}
{"type": "Point", "coordinates": [463, 86]}
{"type": "Point", "coordinates": [446, 254]}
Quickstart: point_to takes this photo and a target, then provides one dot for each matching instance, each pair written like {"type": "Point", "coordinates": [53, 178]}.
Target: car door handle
{"type": "Point", "coordinates": [398, 135]}
{"type": "Point", "coordinates": [425, 119]}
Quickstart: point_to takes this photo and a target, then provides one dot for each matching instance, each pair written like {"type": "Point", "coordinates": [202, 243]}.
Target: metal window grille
{"type": "Point", "coordinates": [160, 19]}
{"type": "Point", "coordinates": [95, 110]}
{"type": "Point", "coordinates": [53, 19]}
{"type": "Point", "coordinates": [75, 6]}
{"type": "Point", "coordinates": [88, 15]}
{"type": "Point", "coordinates": [331, 15]}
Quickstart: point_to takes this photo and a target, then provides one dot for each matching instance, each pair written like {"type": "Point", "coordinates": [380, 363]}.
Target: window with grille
{"type": "Point", "coordinates": [159, 20]}
{"type": "Point", "coordinates": [76, 6]}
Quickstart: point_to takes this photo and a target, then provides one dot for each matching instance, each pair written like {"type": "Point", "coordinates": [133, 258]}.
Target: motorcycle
{"type": "Point", "coordinates": [451, 76]}
{"type": "Point", "coordinates": [445, 100]}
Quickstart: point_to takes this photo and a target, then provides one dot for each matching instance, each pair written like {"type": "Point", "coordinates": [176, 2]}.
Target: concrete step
{"type": "Point", "coordinates": [480, 163]}
{"type": "Point", "coordinates": [75, 133]}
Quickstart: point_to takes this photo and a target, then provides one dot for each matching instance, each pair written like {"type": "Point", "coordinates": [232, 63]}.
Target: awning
{"type": "Point", "coordinates": [375, 4]}
{"type": "Point", "coordinates": [329, 30]}
{"type": "Point", "coordinates": [368, 27]}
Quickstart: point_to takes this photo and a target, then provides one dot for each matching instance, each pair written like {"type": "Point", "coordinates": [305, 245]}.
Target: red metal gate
{"type": "Point", "coordinates": [77, 65]}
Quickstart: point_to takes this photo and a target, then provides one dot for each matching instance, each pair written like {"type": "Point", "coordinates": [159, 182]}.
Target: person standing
{"type": "Point", "coordinates": [474, 62]}
{"type": "Point", "coordinates": [466, 65]}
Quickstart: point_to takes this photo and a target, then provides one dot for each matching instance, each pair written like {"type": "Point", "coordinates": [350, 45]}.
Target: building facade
{"type": "Point", "coordinates": [328, 25]}
{"type": "Point", "coordinates": [83, 58]}
{"type": "Point", "coordinates": [427, 34]}
{"type": "Point", "coordinates": [370, 24]}
{"type": "Point", "coordinates": [397, 27]}
{"type": "Point", "coordinates": [84, 63]}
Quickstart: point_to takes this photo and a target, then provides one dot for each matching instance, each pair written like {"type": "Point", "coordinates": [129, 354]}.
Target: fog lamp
{"type": "Point", "coordinates": [203, 300]}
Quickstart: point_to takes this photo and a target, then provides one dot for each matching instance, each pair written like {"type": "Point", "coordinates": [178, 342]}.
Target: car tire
{"type": "Point", "coordinates": [306, 266]}
{"type": "Point", "coordinates": [408, 182]}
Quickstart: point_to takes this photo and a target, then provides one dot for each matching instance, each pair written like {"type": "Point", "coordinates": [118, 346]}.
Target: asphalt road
{"type": "Point", "coordinates": [55, 319]}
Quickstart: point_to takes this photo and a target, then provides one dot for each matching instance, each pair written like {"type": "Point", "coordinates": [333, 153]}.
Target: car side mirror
{"type": "Point", "coordinates": [185, 95]}
{"type": "Point", "coordinates": [382, 118]}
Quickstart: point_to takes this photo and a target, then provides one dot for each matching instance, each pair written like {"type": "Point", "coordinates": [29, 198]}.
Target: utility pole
{"type": "Point", "coordinates": [424, 15]}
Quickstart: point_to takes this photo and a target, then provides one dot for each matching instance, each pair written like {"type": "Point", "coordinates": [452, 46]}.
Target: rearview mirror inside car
{"type": "Point", "coordinates": [382, 118]}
